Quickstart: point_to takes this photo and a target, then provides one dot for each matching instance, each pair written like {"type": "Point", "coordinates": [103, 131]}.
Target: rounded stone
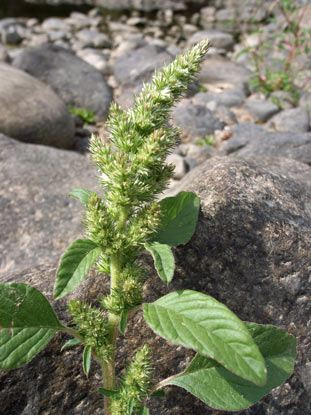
{"type": "Point", "coordinates": [75, 81]}
{"type": "Point", "coordinates": [31, 111]}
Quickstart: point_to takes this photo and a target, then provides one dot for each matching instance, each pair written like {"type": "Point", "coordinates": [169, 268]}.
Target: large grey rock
{"type": "Point", "coordinates": [195, 121]}
{"type": "Point", "coordinates": [95, 58]}
{"type": "Point", "coordinates": [221, 71]}
{"type": "Point", "coordinates": [38, 219]}
{"type": "Point", "coordinates": [228, 98]}
{"type": "Point", "coordinates": [295, 146]}
{"type": "Point", "coordinates": [250, 251]}
{"type": "Point", "coordinates": [293, 119]}
{"type": "Point", "coordinates": [31, 111]}
{"type": "Point", "coordinates": [243, 134]}
{"type": "Point", "coordinates": [218, 39]}
{"type": "Point", "coordinates": [56, 24]}
{"type": "Point", "coordinates": [93, 38]}
{"type": "Point", "coordinates": [12, 31]}
{"type": "Point", "coordinates": [75, 81]}
{"type": "Point", "coordinates": [137, 66]}
{"type": "Point", "coordinates": [261, 110]}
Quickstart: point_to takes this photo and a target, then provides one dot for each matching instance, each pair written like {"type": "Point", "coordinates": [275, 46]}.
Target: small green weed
{"type": "Point", "coordinates": [208, 140]}
{"type": "Point", "coordinates": [86, 115]}
{"type": "Point", "coordinates": [291, 43]}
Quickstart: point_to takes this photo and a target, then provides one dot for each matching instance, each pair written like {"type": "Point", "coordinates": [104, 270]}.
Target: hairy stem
{"type": "Point", "coordinates": [114, 320]}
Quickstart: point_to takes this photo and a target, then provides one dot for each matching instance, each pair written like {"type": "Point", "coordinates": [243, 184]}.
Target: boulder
{"type": "Point", "coordinates": [137, 66]}
{"type": "Point", "coordinates": [93, 38]}
{"type": "Point", "coordinates": [195, 121]}
{"type": "Point", "coordinates": [38, 219]}
{"type": "Point", "coordinates": [291, 145]}
{"type": "Point", "coordinates": [251, 250]}
{"type": "Point", "coordinates": [75, 81]}
{"type": "Point", "coordinates": [218, 39]}
{"type": "Point", "coordinates": [12, 31]}
{"type": "Point", "coordinates": [228, 98]}
{"type": "Point", "coordinates": [261, 110]}
{"type": "Point", "coordinates": [217, 70]}
{"type": "Point", "coordinates": [293, 119]}
{"type": "Point", "coordinates": [31, 111]}
{"type": "Point", "coordinates": [243, 134]}
{"type": "Point", "coordinates": [55, 24]}
{"type": "Point", "coordinates": [95, 58]}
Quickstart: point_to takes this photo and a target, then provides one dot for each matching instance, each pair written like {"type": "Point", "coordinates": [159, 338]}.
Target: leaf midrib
{"type": "Point", "coordinates": [32, 327]}
{"type": "Point", "coordinates": [210, 336]}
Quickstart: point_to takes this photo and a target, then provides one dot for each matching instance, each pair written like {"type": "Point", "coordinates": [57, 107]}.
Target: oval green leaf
{"type": "Point", "coordinates": [223, 390]}
{"type": "Point", "coordinates": [123, 321]}
{"type": "Point", "coordinates": [163, 260]}
{"type": "Point", "coordinates": [200, 322]}
{"type": "Point", "coordinates": [180, 216]}
{"type": "Point", "coordinates": [83, 195]}
{"type": "Point", "coordinates": [74, 266]}
{"type": "Point", "coordinates": [87, 356]}
{"type": "Point", "coordinates": [142, 410]}
{"type": "Point", "coordinates": [27, 323]}
{"type": "Point", "coordinates": [109, 392]}
{"type": "Point", "coordinates": [71, 342]}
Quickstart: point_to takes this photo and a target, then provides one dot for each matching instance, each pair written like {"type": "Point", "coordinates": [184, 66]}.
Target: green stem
{"type": "Point", "coordinates": [114, 320]}
{"type": "Point", "coordinates": [73, 333]}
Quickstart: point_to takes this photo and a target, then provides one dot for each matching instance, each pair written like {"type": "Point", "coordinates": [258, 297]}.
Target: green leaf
{"type": "Point", "coordinates": [27, 324]}
{"type": "Point", "coordinates": [74, 266]}
{"type": "Point", "coordinates": [163, 260]}
{"type": "Point", "coordinates": [222, 390]}
{"type": "Point", "coordinates": [123, 321]}
{"type": "Point", "coordinates": [71, 342]}
{"type": "Point", "coordinates": [109, 392]}
{"type": "Point", "coordinates": [142, 410]}
{"type": "Point", "coordinates": [83, 195]}
{"type": "Point", "coordinates": [200, 322]}
{"type": "Point", "coordinates": [130, 407]}
{"type": "Point", "coordinates": [87, 356]}
{"type": "Point", "coordinates": [180, 216]}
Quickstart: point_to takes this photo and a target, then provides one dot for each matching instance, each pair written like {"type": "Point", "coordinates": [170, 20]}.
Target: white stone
{"type": "Point", "coordinates": [180, 165]}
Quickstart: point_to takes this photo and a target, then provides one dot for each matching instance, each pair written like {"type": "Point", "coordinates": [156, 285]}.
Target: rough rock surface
{"type": "Point", "coordinates": [75, 81]}
{"type": "Point", "coordinates": [250, 251]}
{"type": "Point", "coordinates": [295, 146]}
{"type": "Point", "coordinates": [137, 66]}
{"type": "Point", "coordinates": [218, 70]}
{"type": "Point", "coordinates": [31, 111]}
{"type": "Point", "coordinates": [195, 120]}
{"type": "Point", "coordinates": [218, 39]}
{"type": "Point", "coordinates": [38, 219]}
{"type": "Point", "coordinates": [260, 110]}
{"type": "Point", "coordinates": [293, 119]}
{"type": "Point", "coordinates": [228, 98]}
